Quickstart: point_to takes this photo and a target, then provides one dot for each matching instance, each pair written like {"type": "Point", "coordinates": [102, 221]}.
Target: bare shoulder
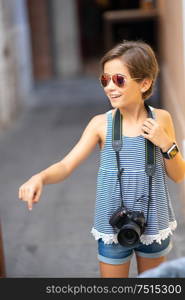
{"type": "Point", "coordinates": [97, 122]}
{"type": "Point", "coordinates": [98, 119]}
{"type": "Point", "coordinates": [99, 125]}
{"type": "Point", "coordinates": [164, 118]}
{"type": "Point", "coordinates": [162, 115]}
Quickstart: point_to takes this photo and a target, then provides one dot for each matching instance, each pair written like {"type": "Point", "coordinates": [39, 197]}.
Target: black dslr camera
{"type": "Point", "coordinates": [131, 224]}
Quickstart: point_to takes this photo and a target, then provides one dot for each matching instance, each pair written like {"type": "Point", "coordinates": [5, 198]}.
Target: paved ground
{"type": "Point", "coordinates": [54, 239]}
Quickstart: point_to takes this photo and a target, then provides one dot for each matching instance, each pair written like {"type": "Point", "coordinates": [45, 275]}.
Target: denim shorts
{"type": "Point", "coordinates": [118, 254]}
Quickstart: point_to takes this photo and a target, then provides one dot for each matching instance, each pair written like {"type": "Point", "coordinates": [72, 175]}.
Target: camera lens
{"type": "Point", "coordinates": [128, 238]}
{"type": "Point", "coordinates": [129, 234]}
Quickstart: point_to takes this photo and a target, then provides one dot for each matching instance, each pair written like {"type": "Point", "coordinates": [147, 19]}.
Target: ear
{"type": "Point", "coordinates": [145, 84]}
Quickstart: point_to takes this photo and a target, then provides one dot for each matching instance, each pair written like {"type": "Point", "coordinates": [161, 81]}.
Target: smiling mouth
{"type": "Point", "coordinates": [115, 97]}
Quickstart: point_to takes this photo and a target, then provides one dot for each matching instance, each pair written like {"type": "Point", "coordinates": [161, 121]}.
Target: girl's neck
{"type": "Point", "coordinates": [134, 113]}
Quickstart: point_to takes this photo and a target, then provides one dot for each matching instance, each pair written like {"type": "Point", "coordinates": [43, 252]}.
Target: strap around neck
{"type": "Point", "coordinates": [149, 146]}
{"type": "Point", "coordinates": [117, 131]}
{"type": "Point", "coordinates": [149, 154]}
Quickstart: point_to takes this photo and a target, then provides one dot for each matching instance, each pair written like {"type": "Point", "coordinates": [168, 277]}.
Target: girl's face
{"type": "Point", "coordinates": [121, 96]}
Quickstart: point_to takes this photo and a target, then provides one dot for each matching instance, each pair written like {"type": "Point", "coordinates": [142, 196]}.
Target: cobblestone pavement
{"type": "Point", "coordinates": [54, 239]}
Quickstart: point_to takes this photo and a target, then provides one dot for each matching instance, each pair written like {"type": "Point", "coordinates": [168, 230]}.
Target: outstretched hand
{"type": "Point", "coordinates": [31, 190]}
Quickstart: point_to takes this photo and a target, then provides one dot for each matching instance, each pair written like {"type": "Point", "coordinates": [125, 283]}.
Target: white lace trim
{"type": "Point", "coordinates": [145, 239]}
{"type": "Point", "coordinates": [107, 238]}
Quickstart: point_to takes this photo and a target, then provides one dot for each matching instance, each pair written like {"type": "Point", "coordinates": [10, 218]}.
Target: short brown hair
{"type": "Point", "coordinates": [139, 58]}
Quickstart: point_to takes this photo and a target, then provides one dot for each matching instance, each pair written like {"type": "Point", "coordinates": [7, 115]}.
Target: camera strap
{"type": "Point", "coordinates": [117, 143]}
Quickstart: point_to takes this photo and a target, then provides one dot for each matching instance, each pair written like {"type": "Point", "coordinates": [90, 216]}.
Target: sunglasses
{"type": "Point", "coordinates": [118, 79]}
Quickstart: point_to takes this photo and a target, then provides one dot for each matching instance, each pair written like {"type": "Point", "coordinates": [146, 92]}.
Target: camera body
{"type": "Point", "coordinates": [130, 226]}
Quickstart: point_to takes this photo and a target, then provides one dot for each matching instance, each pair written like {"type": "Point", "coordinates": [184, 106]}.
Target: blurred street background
{"type": "Point", "coordinates": [49, 90]}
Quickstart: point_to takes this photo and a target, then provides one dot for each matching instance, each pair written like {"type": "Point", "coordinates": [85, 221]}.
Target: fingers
{"type": "Point", "coordinates": [26, 194]}
{"type": "Point", "coordinates": [30, 204]}
{"type": "Point", "coordinates": [150, 121]}
{"type": "Point", "coordinates": [30, 191]}
{"type": "Point", "coordinates": [145, 135]}
{"type": "Point", "coordinates": [146, 129]}
{"type": "Point", "coordinates": [36, 196]}
{"type": "Point", "coordinates": [148, 126]}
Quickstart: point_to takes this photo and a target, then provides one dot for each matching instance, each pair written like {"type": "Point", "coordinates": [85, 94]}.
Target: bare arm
{"type": "Point", "coordinates": [175, 168]}
{"type": "Point", "coordinates": [31, 190]}
{"type": "Point", "coordinates": [162, 134]}
{"type": "Point", "coordinates": [62, 169]}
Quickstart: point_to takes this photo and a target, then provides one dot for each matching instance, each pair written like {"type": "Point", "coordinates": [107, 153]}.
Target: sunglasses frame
{"type": "Point", "coordinates": [111, 77]}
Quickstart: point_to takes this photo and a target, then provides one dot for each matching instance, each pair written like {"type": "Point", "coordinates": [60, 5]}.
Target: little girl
{"type": "Point", "coordinates": [129, 71]}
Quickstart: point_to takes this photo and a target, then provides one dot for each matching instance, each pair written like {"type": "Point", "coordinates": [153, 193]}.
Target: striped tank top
{"type": "Point", "coordinates": [135, 184]}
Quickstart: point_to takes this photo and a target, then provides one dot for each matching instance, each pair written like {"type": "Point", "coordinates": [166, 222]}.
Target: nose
{"type": "Point", "coordinates": [111, 85]}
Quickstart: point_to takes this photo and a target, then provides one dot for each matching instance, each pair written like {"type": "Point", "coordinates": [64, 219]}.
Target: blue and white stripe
{"type": "Point", "coordinates": [161, 219]}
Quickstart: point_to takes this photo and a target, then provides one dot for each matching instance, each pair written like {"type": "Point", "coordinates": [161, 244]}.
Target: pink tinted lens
{"type": "Point", "coordinates": [119, 80]}
{"type": "Point", "coordinates": [105, 80]}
